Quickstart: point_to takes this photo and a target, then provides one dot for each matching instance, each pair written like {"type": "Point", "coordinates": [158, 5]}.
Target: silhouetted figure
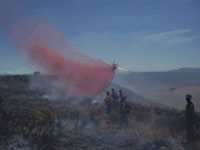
{"type": "Point", "coordinates": [189, 118]}
{"type": "Point", "coordinates": [108, 102]}
{"type": "Point", "coordinates": [123, 113]}
{"type": "Point", "coordinates": [121, 95]}
{"type": "Point", "coordinates": [115, 97]}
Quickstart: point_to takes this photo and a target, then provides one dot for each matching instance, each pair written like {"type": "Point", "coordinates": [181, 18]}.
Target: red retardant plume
{"type": "Point", "coordinates": [80, 75]}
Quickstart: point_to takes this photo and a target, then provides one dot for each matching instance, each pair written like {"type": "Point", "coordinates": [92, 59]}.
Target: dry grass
{"type": "Point", "coordinates": [61, 125]}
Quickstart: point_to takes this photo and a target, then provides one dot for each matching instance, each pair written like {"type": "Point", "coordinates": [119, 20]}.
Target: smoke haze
{"type": "Point", "coordinates": [78, 74]}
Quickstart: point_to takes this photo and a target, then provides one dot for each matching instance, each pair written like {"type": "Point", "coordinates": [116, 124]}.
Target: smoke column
{"type": "Point", "coordinates": [78, 74]}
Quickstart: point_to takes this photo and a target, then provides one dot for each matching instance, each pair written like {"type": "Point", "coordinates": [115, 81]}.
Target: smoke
{"type": "Point", "coordinates": [77, 74]}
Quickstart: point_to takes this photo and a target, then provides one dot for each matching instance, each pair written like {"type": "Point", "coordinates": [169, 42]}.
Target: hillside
{"type": "Point", "coordinates": [181, 77]}
{"type": "Point", "coordinates": [30, 120]}
{"type": "Point", "coordinates": [134, 97]}
{"type": "Point", "coordinates": [168, 88]}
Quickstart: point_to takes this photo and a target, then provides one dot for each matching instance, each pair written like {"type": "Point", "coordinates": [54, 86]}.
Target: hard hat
{"type": "Point", "coordinates": [188, 96]}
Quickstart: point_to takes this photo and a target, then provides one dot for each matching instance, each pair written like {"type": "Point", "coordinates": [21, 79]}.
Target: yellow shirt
{"type": "Point", "coordinates": [108, 100]}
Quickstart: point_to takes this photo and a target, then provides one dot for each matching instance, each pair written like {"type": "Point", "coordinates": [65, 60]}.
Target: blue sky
{"type": "Point", "coordinates": [141, 35]}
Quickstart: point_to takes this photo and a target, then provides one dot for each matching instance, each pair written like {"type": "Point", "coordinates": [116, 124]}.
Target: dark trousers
{"type": "Point", "coordinates": [108, 108]}
{"type": "Point", "coordinates": [123, 119]}
{"type": "Point", "coordinates": [116, 105]}
{"type": "Point", "coordinates": [190, 132]}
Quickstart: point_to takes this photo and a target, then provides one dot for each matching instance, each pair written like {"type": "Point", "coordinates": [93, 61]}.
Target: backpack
{"type": "Point", "coordinates": [128, 109]}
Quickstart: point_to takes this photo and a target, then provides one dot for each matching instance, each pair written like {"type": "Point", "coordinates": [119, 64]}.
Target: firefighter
{"type": "Point", "coordinates": [108, 102]}
{"type": "Point", "coordinates": [115, 97]}
{"type": "Point", "coordinates": [123, 113]}
{"type": "Point", "coordinates": [189, 118]}
{"type": "Point", "coordinates": [121, 95]}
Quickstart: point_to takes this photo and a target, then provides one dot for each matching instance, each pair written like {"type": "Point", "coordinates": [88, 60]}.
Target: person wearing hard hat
{"type": "Point", "coordinates": [108, 102]}
{"type": "Point", "coordinates": [124, 110]}
{"type": "Point", "coordinates": [114, 96]}
{"type": "Point", "coordinates": [189, 118]}
{"type": "Point", "coordinates": [121, 95]}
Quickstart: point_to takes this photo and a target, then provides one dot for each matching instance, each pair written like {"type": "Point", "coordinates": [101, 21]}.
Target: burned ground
{"type": "Point", "coordinates": [30, 119]}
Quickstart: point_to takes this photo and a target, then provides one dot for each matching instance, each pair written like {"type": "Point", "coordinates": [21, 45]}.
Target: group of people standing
{"type": "Point", "coordinates": [117, 101]}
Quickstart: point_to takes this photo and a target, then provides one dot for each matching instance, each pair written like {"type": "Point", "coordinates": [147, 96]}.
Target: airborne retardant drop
{"type": "Point", "coordinates": [78, 74]}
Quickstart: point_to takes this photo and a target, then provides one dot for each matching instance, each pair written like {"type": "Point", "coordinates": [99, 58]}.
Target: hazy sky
{"type": "Point", "coordinates": [141, 35]}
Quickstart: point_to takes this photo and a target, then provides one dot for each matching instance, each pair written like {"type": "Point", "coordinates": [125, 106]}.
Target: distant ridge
{"type": "Point", "coordinates": [182, 76]}
{"type": "Point", "coordinates": [187, 70]}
